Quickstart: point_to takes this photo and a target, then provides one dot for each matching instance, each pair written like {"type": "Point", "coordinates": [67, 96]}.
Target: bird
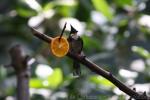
{"type": "Point", "coordinates": [76, 46]}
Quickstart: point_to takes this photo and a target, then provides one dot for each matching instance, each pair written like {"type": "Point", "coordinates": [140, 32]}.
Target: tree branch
{"type": "Point", "coordinates": [19, 63]}
{"type": "Point", "coordinates": [97, 69]}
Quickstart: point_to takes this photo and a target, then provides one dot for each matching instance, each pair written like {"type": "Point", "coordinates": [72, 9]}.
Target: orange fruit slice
{"type": "Point", "coordinates": [59, 48]}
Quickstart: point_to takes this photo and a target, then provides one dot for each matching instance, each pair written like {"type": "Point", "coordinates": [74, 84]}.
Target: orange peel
{"type": "Point", "coordinates": [59, 46]}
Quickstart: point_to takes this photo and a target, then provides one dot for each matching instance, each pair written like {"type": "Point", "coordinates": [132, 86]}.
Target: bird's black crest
{"type": "Point", "coordinates": [73, 30]}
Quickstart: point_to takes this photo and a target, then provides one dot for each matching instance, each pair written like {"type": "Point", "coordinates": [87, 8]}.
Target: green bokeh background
{"type": "Point", "coordinates": [113, 38]}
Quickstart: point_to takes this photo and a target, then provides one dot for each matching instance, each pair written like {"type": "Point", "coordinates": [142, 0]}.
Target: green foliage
{"type": "Point", "coordinates": [113, 35]}
{"type": "Point", "coordinates": [88, 42]}
{"type": "Point", "coordinates": [141, 51]}
{"type": "Point", "coordinates": [52, 81]}
{"type": "Point", "coordinates": [123, 3]}
{"type": "Point", "coordinates": [103, 7]}
{"type": "Point", "coordinates": [56, 78]}
{"type": "Point", "coordinates": [48, 6]}
{"type": "Point", "coordinates": [25, 12]}
{"type": "Point", "coordinates": [100, 81]}
{"type": "Point", "coordinates": [3, 73]}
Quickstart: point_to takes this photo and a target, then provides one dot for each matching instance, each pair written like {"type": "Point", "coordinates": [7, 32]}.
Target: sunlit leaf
{"type": "Point", "coordinates": [103, 7]}
{"type": "Point", "coordinates": [100, 81]}
{"type": "Point", "coordinates": [56, 78]}
{"type": "Point", "coordinates": [48, 6]}
{"type": "Point", "coordinates": [52, 81]}
{"type": "Point", "coordinates": [65, 10]}
{"type": "Point", "coordinates": [33, 4]}
{"type": "Point", "coordinates": [36, 83]}
{"type": "Point", "coordinates": [141, 51]}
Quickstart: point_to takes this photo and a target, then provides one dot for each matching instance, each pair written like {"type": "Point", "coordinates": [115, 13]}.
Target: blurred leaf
{"type": "Point", "coordinates": [56, 78]}
{"type": "Point", "coordinates": [9, 91]}
{"type": "Point", "coordinates": [121, 97]}
{"type": "Point", "coordinates": [123, 2]}
{"type": "Point", "coordinates": [37, 97]}
{"type": "Point", "coordinates": [65, 10]}
{"type": "Point", "coordinates": [36, 83]}
{"type": "Point", "coordinates": [52, 81]}
{"type": "Point", "coordinates": [123, 22]}
{"type": "Point", "coordinates": [48, 6]}
{"type": "Point", "coordinates": [103, 97]}
{"type": "Point", "coordinates": [3, 72]}
{"type": "Point", "coordinates": [91, 41]}
{"type": "Point", "coordinates": [25, 12]}
{"type": "Point", "coordinates": [103, 7]}
{"type": "Point", "coordinates": [141, 51]}
{"type": "Point", "coordinates": [65, 3]}
{"type": "Point", "coordinates": [100, 81]}
{"type": "Point", "coordinates": [82, 7]}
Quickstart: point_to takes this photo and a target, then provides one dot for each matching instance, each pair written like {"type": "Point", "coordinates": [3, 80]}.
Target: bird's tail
{"type": "Point", "coordinates": [76, 68]}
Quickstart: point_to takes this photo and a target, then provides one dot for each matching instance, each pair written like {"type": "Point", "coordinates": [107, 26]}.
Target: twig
{"type": "Point", "coordinates": [62, 31]}
{"type": "Point", "coordinates": [97, 69]}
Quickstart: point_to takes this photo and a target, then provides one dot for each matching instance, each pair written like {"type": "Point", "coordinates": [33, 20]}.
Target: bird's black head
{"type": "Point", "coordinates": [73, 30]}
